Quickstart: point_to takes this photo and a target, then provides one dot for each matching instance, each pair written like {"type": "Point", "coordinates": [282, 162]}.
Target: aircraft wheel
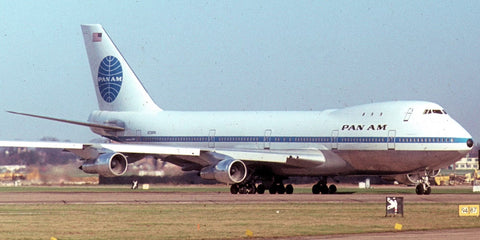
{"type": "Point", "coordinates": [323, 189]}
{"type": "Point", "coordinates": [251, 189]}
{"type": "Point", "coordinates": [234, 189]}
{"type": "Point", "coordinates": [419, 189]}
{"type": "Point", "coordinates": [332, 189]}
{"type": "Point", "coordinates": [289, 189]}
{"type": "Point", "coordinates": [272, 189]}
{"type": "Point", "coordinates": [280, 189]}
{"type": "Point", "coordinates": [316, 189]}
{"type": "Point", "coordinates": [428, 191]}
{"type": "Point", "coordinates": [243, 189]}
{"type": "Point", "coordinates": [261, 188]}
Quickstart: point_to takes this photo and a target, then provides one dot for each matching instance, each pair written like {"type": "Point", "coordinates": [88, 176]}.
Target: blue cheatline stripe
{"type": "Point", "coordinates": [283, 139]}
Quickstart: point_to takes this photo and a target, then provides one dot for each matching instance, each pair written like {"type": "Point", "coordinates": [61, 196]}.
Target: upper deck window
{"type": "Point", "coordinates": [434, 111]}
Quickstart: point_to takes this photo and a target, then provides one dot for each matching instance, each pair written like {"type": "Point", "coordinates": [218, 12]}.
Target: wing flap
{"type": "Point", "coordinates": [151, 149]}
{"type": "Point", "coordinates": [296, 158]}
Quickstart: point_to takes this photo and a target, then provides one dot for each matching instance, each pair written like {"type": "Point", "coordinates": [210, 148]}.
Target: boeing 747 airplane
{"type": "Point", "coordinates": [256, 151]}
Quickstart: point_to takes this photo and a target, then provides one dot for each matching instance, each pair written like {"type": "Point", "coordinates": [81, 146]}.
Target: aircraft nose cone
{"type": "Point", "coordinates": [470, 143]}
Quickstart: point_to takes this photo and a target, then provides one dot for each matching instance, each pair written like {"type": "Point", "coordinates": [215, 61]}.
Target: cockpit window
{"type": "Point", "coordinates": [434, 111]}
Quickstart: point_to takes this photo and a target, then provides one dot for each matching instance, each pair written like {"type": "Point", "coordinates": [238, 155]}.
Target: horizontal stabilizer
{"type": "Point", "coordinates": [87, 124]}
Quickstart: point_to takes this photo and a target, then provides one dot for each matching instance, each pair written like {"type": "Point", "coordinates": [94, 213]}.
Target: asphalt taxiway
{"type": "Point", "coordinates": [139, 196]}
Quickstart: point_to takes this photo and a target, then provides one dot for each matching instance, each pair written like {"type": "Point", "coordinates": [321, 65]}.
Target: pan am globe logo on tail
{"type": "Point", "coordinates": [110, 78]}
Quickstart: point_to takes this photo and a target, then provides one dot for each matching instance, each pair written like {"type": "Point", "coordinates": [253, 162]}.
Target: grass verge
{"type": "Point", "coordinates": [217, 221]}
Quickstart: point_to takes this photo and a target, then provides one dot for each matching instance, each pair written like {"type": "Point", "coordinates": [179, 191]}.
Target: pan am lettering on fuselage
{"type": "Point", "coordinates": [244, 149]}
{"type": "Point", "coordinates": [354, 127]}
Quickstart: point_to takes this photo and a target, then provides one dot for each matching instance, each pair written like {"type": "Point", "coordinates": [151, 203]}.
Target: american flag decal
{"type": "Point", "coordinates": [97, 37]}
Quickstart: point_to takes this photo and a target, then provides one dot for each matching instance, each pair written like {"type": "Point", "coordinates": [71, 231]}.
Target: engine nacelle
{"type": "Point", "coordinates": [226, 171]}
{"type": "Point", "coordinates": [107, 165]}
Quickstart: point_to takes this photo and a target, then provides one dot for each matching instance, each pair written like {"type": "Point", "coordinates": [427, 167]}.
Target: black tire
{"type": "Point", "coordinates": [280, 189]}
{"type": "Point", "coordinates": [289, 189]}
{"type": "Point", "coordinates": [323, 189]}
{"type": "Point", "coordinates": [243, 189]}
{"type": "Point", "coordinates": [261, 189]}
{"type": "Point", "coordinates": [332, 189]}
{"type": "Point", "coordinates": [272, 189]}
{"type": "Point", "coordinates": [428, 191]}
{"type": "Point", "coordinates": [234, 189]}
{"type": "Point", "coordinates": [419, 189]}
{"type": "Point", "coordinates": [316, 189]}
{"type": "Point", "coordinates": [251, 189]}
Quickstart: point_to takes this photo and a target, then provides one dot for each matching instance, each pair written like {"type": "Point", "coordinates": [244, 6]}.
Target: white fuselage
{"type": "Point", "coordinates": [380, 138]}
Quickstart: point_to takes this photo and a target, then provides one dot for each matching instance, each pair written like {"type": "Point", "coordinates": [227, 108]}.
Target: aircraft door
{"type": "Point", "coordinates": [138, 135]}
{"type": "Point", "coordinates": [334, 139]}
{"type": "Point", "coordinates": [267, 139]}
{"type": "Point", "coordinates": [211, 138]}
{"type": "Point", "coordinates": [391, 139]}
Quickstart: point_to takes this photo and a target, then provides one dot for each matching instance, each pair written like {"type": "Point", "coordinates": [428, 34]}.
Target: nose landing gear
{"type": "Point", "coordinates": [423, 188]}
{"type": "Point", "coordinates": [423, 183]}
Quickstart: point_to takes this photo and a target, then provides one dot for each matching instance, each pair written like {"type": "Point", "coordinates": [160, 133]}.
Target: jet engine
{"type": "Point", "coordinates": [226, 171]}
{"type": "Point", "coordinates": [107, 165]}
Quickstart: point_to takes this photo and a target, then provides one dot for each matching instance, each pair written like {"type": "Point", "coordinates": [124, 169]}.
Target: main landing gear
{"type": "Point", "coordinates": [277, 187]}
{"type": "Point", "coordinates": [249, 188]}
{"type": "Point", "coordinates": [243, 188]}
{"type": "Point", "coordinates": [323, 188]}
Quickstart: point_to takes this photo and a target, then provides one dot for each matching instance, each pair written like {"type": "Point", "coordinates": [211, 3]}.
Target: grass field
{"type": "Point", "coordinates": [215, 221]}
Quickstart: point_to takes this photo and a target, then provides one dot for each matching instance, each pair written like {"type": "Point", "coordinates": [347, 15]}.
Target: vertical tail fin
{"type": "Point", "coordinates": [116, 85]}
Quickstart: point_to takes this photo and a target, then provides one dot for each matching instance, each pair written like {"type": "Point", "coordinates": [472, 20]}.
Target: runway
{"type": "Point", "coordinates": [144, 197]}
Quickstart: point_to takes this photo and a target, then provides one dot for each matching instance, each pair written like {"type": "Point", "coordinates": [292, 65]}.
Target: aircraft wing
{"type": "Point", "coordinates": [179, 155]}
{"type": "Point", "coordinates": [209, 157]}
{"type": "Point", "coordinates": [41, 144]}
{"type": "Point", "coordinates": [91, 150]}
{"type": "Point", "coordinates": [223, 165]}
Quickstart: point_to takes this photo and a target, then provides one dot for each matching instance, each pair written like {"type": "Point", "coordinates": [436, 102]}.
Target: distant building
{"type": "Point", "coordinates": [12, 168]}
{"type": "Point", "coordinates": [467, 163]}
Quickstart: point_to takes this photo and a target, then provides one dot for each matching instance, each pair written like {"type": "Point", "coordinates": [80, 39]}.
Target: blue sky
{"type": "Point", "coordinates": [240, 55]}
